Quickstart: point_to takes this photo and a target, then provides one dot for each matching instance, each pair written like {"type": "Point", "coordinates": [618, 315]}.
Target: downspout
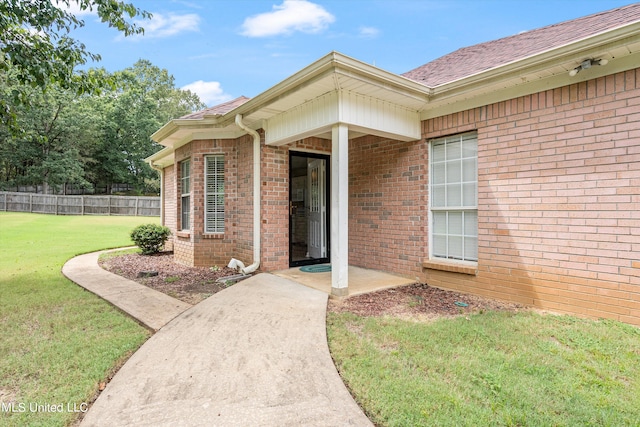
{"type": "Point", "coordinates": [257, 241]}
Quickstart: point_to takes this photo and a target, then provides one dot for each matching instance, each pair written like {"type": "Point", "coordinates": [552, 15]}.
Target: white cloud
{"type": "Point", "coordinates": [290, 16]}
{"type": "Point", "coordinates": [168, 25]}
{"type": "Point", "coordinates": [368, 32]}
{"type": "Point", "coordinates": [74, 8]}
{"type": "Point", "coordinates": [211, 93]}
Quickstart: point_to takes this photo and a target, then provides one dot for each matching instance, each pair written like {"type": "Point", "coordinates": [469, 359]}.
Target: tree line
{"type": "Point", "coordinates": [92, 140]}
{"type": "Point", "coordinates": [62, 123]}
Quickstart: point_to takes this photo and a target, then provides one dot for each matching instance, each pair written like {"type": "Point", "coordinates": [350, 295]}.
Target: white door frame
{"type": "Point", "coordinates": [324, 226]}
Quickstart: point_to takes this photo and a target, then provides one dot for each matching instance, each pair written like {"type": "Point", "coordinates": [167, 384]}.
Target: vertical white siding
{"type": "Point", "coordinates": [358, 111]}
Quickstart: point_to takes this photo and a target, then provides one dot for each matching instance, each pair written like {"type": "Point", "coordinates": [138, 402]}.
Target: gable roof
{"type": "Point", "coordinates": [477, 58]}
{"type": "Point", "coordinates": [218, 110]}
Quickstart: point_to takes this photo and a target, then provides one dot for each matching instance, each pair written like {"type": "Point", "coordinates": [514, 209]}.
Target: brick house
{"type": "Point", "coordinates": [508, 169]}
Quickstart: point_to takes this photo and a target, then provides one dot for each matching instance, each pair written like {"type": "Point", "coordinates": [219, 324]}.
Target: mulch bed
{"type": "Point", "coordinates": [419, 301]}
{"type": "Point", "coordinates": [188, 284]}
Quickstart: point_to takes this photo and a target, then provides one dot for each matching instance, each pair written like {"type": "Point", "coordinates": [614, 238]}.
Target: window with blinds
{"type": "Point", "coordinates": [454, 197]}
{"type": "Point", "coordinates": [185, 195]}
{"type": "Point", "coordinates": [214, 194]}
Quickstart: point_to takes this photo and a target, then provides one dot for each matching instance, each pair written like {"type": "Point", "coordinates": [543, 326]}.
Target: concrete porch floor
{"type": "Point", "coordinates": [361, 280]}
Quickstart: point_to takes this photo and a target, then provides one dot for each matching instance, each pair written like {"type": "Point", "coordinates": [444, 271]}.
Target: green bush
{"type": "Point", "coordinates": [150, 238]}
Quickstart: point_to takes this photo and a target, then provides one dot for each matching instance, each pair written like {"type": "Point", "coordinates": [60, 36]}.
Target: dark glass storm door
{"type": "Point", "coordinates": [308, 208]}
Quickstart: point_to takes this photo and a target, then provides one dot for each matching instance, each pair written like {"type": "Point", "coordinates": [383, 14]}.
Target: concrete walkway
{"type": "Point", "coordinates": [150, 307]}
{"type": "Point", "coordinates": [254, 354]}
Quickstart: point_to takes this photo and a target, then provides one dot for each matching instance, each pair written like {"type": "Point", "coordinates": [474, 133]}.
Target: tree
{"type": "Point", "coordinates": [46, 150]}
{"type": "Point", "coordinates": [35, 43]}
{"type": "Point", "coordinates": [90, 140]}
{"type": "Point", "coordinates": [145, 98]}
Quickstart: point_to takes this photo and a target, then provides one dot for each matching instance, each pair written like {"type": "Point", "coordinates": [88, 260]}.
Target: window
{"type": "Point", "coordinates": [454, 197]}
{"type": "Point", "coordinates": [214, 194]}
{"type": "Point", "coordinates": [185, 195]}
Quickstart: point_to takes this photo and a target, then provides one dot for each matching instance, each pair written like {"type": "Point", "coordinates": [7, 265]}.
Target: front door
{"type": "Point", "coordinates": [308, 226]}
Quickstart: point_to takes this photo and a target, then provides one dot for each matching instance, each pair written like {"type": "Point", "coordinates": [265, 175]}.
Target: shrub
{"type": "Point", "coordinates": [150, 238]}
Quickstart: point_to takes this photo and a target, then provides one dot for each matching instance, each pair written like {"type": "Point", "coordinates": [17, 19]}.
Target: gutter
{"type": "Point", "coordinates": [257, 241]}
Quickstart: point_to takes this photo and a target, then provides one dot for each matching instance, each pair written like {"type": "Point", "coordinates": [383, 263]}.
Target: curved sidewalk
{"type": "Point", "coordinates": [254, 354]}
{"type": "Point", "coordinates": [150, 307]}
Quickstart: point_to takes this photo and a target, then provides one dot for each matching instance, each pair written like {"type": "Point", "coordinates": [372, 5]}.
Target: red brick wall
{"type": "Point", "coordinates": [388, 205]}
{"type": "Point", "coordinates": [559, 198]}
{"type": "Point", "coordinates": [275, 208]}
{"type": "Point", "coordinates": [387, 209]}
{"type": "Point", "coordinates": [243, 223]}
{"type": "Point", "coordinates": [195, 247]}
{"type": "Point", "coordinates": [170, 209]}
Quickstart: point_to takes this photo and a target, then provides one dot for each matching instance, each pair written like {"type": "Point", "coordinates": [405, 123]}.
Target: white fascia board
{"type": "Point", "coordinates": [334, 62]}
{"type": "Point", "coordinates": [394, 82]}
{"type": "Point", "coordinates": [163, 135]}
{"type": "Point", "coordinates": [164, 132]}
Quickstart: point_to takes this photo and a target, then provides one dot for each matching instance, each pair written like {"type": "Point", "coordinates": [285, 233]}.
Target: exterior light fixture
{"type": "Point", "coordinates": [587, 63]}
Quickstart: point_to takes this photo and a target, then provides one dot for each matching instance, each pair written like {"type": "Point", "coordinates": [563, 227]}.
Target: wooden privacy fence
{"type": "Point", "coordinates": [79, 205]}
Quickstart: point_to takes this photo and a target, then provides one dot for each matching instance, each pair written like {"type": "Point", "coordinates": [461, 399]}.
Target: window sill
{"type": "Point", "coordinates": [213, 236]}
{"type": "Point", "coordinates": [184, 234]}
{"type": "Point", "coordinates": [470, 268]}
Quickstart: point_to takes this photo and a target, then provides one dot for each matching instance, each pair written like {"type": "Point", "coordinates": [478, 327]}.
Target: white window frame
{"type": "Point", "coordinates": [185, 195]}
{"type": "Point", "coordinates": [214, 194]}
{"type": "Point", "coordinates": [461, 246]}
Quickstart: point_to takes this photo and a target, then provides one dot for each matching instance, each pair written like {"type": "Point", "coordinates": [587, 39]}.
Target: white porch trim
{"type": "Point", "coordinates": [362, 113]}
{"type": "Point", "coordinates": [340, 210]}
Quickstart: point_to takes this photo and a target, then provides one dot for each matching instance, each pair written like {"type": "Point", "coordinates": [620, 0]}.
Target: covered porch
{"type": "Point", "coordinates": [342, 101]}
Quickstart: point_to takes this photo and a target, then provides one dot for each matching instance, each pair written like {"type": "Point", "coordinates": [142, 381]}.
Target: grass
{"type": "Point", "coordinates": [114, 254]}
{"type": "Point", "coordinates": [494, 368]}
{"type": "Point", "coordinates": [58, 341]}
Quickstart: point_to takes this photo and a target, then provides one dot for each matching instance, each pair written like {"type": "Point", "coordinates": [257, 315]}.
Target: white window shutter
{"type": "Point", "coordinates": [214, 197]}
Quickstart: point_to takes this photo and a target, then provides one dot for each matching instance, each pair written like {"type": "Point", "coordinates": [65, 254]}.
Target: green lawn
{"type": "Point", "coordinates": [490, 369]}
{"type": "Point", "coordinates": [58, 341]}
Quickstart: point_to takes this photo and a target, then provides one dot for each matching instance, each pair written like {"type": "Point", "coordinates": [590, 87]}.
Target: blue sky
{"type": "Point", "coordinates": [222, 49]}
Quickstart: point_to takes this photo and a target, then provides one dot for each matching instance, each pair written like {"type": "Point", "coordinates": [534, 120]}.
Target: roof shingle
{"type": "Point", "coordinates": [471, 60]}
{"type": "Point", "coordinates": [219, 109]}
